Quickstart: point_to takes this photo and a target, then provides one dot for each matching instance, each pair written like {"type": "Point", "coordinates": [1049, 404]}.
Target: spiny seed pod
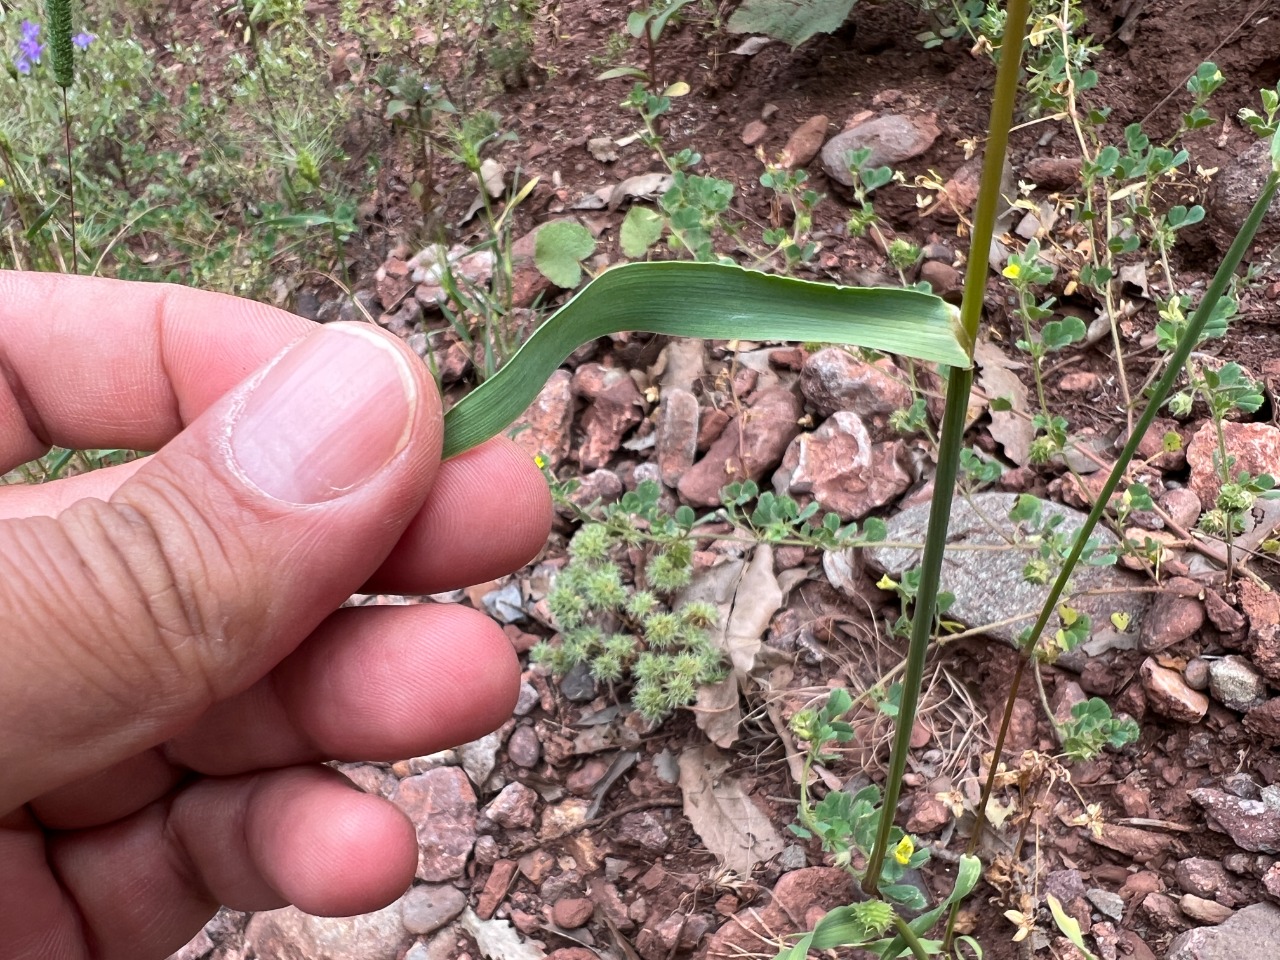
{"type": "Point", "coordinates": [58, 13]}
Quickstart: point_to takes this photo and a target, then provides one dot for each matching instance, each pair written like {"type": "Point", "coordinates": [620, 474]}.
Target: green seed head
{"type": "Point", "coordinates": [61, 51]}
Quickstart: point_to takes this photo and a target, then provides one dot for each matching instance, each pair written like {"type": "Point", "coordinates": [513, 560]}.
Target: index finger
{"type": "Point", "coordinates": [88, 362]}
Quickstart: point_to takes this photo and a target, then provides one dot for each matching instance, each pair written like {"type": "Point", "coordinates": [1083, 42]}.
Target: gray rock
{"type": "Point", "coordinates": [989, 585]}
{"type": "Point", "coordinates": [1169, 695]}
{"type": "Point", "coordinates": [1252, 824]}
{"type": "Point", "coordinates": [1251, 933]}
{"type": "Point", "coordinates": [428, 907]}
{"type": "Point", "coordinates": [834, 380]}
{"type": "Point", "coordinates": [892, 139]}
{"type": "Point", "coordinates": [1235, 683]}
{"type": "Point", "coordinates": [1110, 905]}
{"type": "Point", "coordinates": [677, 444]}
{"type": "Point", "coordinates": [479, 757]}
{"type": "Point", "coordinates": [527, 699]}
{"type": "Point", "coordinates": [578, 685]}
{"type": "Point", "coordinates": [1234, 190]}
{"type": "Point", "coordinates": [506, 604]}
{"type": "Point", "coordinates": [792, 857]}
{"type": "Point", "coordinates": [644, 830]}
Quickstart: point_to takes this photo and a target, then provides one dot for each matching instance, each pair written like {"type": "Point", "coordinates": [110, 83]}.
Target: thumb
{"type": "Point", "coordinates": [125, 619]}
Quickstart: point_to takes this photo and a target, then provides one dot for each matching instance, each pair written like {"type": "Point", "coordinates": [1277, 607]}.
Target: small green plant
{"type": "Point", "coordinates": [792, 196]}
{"type": "Point", "coordinates": [648, 24]}
{"type": "Point", "coordinates": [847, 826]}
{"type": "Point", "coordinates": [691, 211]}
{"type": "Point", "coordinates": [1092, 728]}
{"type": "Point", "coordinates": [866, 180]}
{"type": "Point", "coordinates": [779, 519]}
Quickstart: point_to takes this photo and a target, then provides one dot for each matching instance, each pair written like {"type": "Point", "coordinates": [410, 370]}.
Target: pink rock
{"type": "Point", "coordinates": [945, 279]}
{"type": "Point", "coordinates": [513, 807]}
{"type": "Point", "coordinates": [1255, 446]}
{"type": "Point", "coordinates": [1081, 381]}
{"type": "Point", "coordinates": [1182, 506]}
{"type": "Point", "coordinates": [794, 895]}
{"type": "Point", "coordinates": [289, 933]}
{"type": "Point", "coordinates": [959, 193]}
{"type": "Point", "coordinates": [928, 814]}
{"type": "Point", "coordinates": [523, 748]}
{"type": "Point", "coordinates": [442, 806]}
{"type": "Point", "coordinates": [805, 143]}
{"type": "Point", "coordinates": [1175, 614]}
{"type": "Point", "coordinates": [1169, 695]}
{"type": "Point", "coordinates": [1053, 173]}
{"type": "Point", "coordinates": [843, 469]}
{"type": "Point", "coordinates": [572, 912]}
{"type": "Point", "coordinates": [834, 380]}
{"type": "Point", "coordinates": [754, 132]}
{"type": "Point", "coordinates": [581, 781]}
{"type": "Point", "coordinates": [677, 440]}
{"type": "Point", "coordinates": [544, 429]}
{"type": "Point", "coordinates": [1262, 608]}
{"type": "Point", "coordinates": [750, 445]}
{"type": "Point", "coordinates": [495, 888]}
{"type": "Point", "coordinates": [617, 408]}
{"type": "Point", "coordinates": [393, 282]}
{"type": "Point", "coordinates": [592, 379]}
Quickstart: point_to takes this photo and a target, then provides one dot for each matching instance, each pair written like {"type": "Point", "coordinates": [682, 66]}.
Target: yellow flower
{"type": "Point", "coordinates": [904, 850]}
{"type": "Point", "coordinates": [887, 583]}
{"type": "Point", "coordinates": [1013, 271]}
{"type": "Point", "coordinates": [540, 461]}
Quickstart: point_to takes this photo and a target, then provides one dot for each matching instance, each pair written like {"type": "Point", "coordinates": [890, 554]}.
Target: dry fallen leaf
{"type": "Point", "coordinates": [1012, 429]}
{"type": "Point", "coordinates": [640, 187]}
{"type": "Point", "coordinates": [727, 820]}
{"type": "Point", "coordinates": [755, 601]}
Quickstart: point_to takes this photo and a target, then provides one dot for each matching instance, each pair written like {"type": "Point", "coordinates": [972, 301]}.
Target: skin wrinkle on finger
{"type": "Point", "coordinates": [375, 683]}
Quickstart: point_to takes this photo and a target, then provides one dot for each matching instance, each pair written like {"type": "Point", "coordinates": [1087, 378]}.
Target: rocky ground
{"type": "Point", "coordinates": [576, 831]}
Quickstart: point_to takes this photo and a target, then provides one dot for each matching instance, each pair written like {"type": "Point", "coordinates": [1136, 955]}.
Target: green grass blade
{"type": "Point", "coordinates": [714, 301]}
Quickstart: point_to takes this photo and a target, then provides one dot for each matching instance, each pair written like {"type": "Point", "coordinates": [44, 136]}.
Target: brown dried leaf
{"type": "Point", "coordinates": [729, 823]}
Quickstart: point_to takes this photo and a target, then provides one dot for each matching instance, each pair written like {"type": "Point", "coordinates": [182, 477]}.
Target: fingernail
{"type": "Point", "coordinates": [327, 417]}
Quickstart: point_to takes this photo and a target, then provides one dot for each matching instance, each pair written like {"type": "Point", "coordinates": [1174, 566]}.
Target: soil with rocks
{"type": "Point", "coordinates": [571, 832]}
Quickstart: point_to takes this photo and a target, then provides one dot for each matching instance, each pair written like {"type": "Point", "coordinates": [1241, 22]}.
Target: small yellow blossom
{"type": "Point", "coordinates": [1013, 271]}
{"type": "Point", "coordinates": [904, 850]}
{"type": "Point", "coordinates": [540, 461]}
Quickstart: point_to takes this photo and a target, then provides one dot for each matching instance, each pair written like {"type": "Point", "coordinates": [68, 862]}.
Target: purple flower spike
{"type": "Point", "coordinates": [29, 47]}
{"type": "Point", "coordinates": [82, 40]}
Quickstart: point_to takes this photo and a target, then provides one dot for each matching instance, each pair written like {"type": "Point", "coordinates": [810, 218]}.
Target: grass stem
{"type": "Point", "coordinates": [71, 183]}
{"type": "Point", "coordinates": [959, 384]}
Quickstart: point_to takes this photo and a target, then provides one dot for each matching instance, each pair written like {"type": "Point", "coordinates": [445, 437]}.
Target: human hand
{"type": "Point", "coordinates": [173, 663]}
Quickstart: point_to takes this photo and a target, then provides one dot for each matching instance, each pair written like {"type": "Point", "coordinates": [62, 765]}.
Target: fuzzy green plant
{"type": "Point", "coordinates": [624, 634]}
